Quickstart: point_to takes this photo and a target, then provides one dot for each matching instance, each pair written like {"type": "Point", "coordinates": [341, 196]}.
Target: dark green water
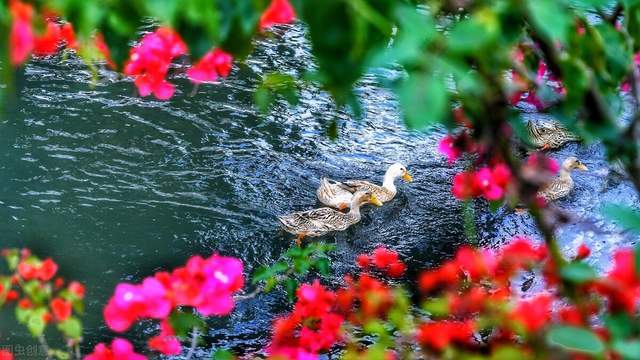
{"type": "Point", "coordinates": [115, 187]}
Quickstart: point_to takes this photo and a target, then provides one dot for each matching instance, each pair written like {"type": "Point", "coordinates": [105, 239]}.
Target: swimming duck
{"type": "Point", "coordinates": [339, 194]}
{"type": "Point", "coordinates": [549, 134]}
{"type": "Point", "coordinates": [318, 222]}
{"type": "Point", "coordinates": [562, 185]}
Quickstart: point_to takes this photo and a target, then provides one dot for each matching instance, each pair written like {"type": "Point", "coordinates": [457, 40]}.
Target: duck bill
{"type": "Point", "coordinates": [406, 177]}
{"type": "Point", "coordinates": [582, 167]}
{"type": "Point", "coordinates": [374, 200]}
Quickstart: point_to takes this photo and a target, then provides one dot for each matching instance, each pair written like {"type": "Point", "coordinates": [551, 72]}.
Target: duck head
{"type": "Point", "coordinates": [572, 163]}
{"type": "Point", "coordinates": [365, 197]}
{"type": "Point", "coordinates": [398, 170]}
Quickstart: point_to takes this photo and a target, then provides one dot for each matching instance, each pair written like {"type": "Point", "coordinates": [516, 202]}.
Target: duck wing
{"type": "Point", "coordinates": [556, 189]}
{"type": "Point", "coordinates": [313, 222]}
{"type": "Point", "coordinates": [380, 192]}
{"type": "Point", "coordinates": [334, 193]}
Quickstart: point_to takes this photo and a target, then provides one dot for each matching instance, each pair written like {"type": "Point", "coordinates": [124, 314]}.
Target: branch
{"type": "Point", "coordinates": [194, 342]}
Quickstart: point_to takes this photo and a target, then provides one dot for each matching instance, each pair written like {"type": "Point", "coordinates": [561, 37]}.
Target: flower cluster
{"type": "Point", "coordinates": [149, 62]}
{"type": "Point", "coordinates": [120, 349]}
{"type": "Point", "coordinates": [383, 259]}
{"type": "Point", "coordinates": [490, 182]}
{"type": "Point", "coordinates": [40, 296]}
{"type": "Point", "coordinates": [206, 285]}
{"type": "Point", "coordinates": [453, 146]}
{"type": "Point", "coordinates": [314, 325]}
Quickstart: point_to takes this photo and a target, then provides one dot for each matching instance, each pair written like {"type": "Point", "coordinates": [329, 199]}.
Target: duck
{"type": "Point", "coordinates": [562, 185]}
{"type": "Point", "coordinates": [338, 195]}
{"type": "Point", "coordinates": [549, 134]}
{"type": "Point", "coordinates": [318, 222]}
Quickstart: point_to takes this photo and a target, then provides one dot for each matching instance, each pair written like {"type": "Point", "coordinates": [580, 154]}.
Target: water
{"type": "Point", "coordinates": [115, 187]}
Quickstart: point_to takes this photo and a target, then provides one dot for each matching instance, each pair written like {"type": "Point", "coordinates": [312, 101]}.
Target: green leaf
{"type": "Point", "coordinates": [629, 349]}
{"type": "Point", "coordinates": [577, 272]}
{"type": "Point", "coordinates": [620, 325]}
{"type": "Point", "coordinates": [322, 265]}
{"type": "Point", "coordinates": [223, 354]}
{"type": "Point", "coordinates": [575, 339]}
{"type": "Point", "coordinates": [36, 323]}
{"type": "Point", "coordinates": [625, 216]}
{"type": "Point", "coordinates": [23, 315]}
{"type": "Point", "coordinates": [262, 273]}
{"type": "Point", "coordinates": [424, 99]}
{"type": "Point", "coordinates": [183, 322]}
{"type": "Point", "coordinates": [473, 34]}
{"type": "Point", "coordinates": [71, 328]}
{"type": "Point", "coordinates": [551, 18]}
{"type": "Point", "coordinates": [291, 285]}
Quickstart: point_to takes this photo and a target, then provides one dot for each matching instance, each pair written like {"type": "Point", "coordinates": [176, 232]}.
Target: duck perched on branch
{"type": "Point", "coordinates": [339, 194]}
{"type": "Point", "coordinates": [562, 185]}
{"type": "Point", "coordinates": [318, 222]}
{"type": "Point", "coordinates": [549, 134]}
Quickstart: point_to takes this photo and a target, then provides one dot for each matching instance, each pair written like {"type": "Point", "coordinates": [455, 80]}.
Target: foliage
{"type": "Point", "coordinates": [41, 300]}
{"type": "Point", "coordinates": [469, 65]}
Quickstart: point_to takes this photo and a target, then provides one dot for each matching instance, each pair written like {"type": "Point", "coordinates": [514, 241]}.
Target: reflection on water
{"type": "Point", "coordinates": [115, 187]}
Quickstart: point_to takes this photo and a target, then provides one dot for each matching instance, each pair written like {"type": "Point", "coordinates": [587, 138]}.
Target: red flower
{"type": "Point", "coordinates": [465, 185]}
{"type": "Point", "coordinates": [363, 261]}
{"type": "Point", "coordinates": [12, 295]}
{"type": "Point", "coordinates": [61, 309]}
{"type": "Point", "coordinates": [26, 270]}
{"type": "Point", "coordinates": [583, 252]}
{"type": "Point", "coordinates": [396, 269]}
{"type": "Point", "coordinates": [69, 36]}
{"type": "Point", "coordinates": [120, 350]}
{"type": "Point", "coordinates": [103, 49]}
{"type": "Point", "coordinates": [448, 274]}
{"type": "Point", "coordinates": [47, 43]}
{"type": "Point", "coordinates": [5, 355]}
{"type": "Point", "coordinates": [313, 300]}
{"type": "Point", "coordinates": [21, 36]}
{"type": "Point", "coordinates": [383, 257]}
{"type": "Point", "coordinates": [77, 289]}
{"type": "Point", "coordinates": [438, 335]}
{"type": "Point", "coordinates": [166, 342]}
{"type": "Point", "coordinates": [213, 64]}
{"type": "Point", "coordinates": [47, 270]}
{"type": "Point", "coordinates": [534, 313]}
{"type": "Point", "coordinates": [278, 12]}
{"type": "Point", "coordinates": [25, 304]}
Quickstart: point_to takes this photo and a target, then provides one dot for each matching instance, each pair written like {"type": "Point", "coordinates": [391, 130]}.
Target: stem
{"type": "Point", "coordinates": [194, 342]}
{"type": "Point", "coordinates": [43, 342]}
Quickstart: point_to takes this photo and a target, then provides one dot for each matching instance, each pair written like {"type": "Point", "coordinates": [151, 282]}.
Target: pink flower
{"type": "Point", "coordinates": [447, 148]}
{"type": "Point", "coordinates": [120, 350]}
{"type": "Point", "coordinates": [490, 189]}
{"type": "Point", "coordinates": [213, 64]}
{"type": "Point", "coordinates": [149, 62]}
{"type": "Point", "coordinates": [21, 36]}
{"type": "Point", "coordinates": [465, 185]}
{"type": "Point", "coordinates": [125, 307]}
{"type": "Point", "coordinates": [166, 342]}
{"type": "Point", "coordinates": [278, 12]}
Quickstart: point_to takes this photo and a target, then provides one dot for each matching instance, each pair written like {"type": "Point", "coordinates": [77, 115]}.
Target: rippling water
{"type": "Point", "coordinates": [115, 187]}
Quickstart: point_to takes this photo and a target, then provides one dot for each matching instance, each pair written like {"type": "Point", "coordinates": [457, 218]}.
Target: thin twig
{"type": "Point", "coordinates": [45, 346]}
{"type": "Point", "coordinates": [194, 343]}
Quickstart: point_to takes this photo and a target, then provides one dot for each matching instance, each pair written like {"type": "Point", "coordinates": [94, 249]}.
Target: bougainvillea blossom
{"type": "Point", "coordinates": [215, 63]}
{"type": "Point", "coordinates": [278, 12]}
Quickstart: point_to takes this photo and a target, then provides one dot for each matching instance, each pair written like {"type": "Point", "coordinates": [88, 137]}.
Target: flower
{"type": "Point", "coordinates": [278, 12]}
{"type": "Point", "coordinates": [383, 257]}
{"type": "Point", "coordinates": [61, 309]}
{"type": "Point", "coordinates": [21, 35]}
{"type": "Point", "coordinates": [363, 260]}
{"type": "Point", "coordinates": [166, 342]}
{"type": "Point", "coordinates": [583, 252]}
{"type": "Point", "coordinates": [213, 64]}
{"type": "Point", "coordinates": [438, 335]}
{"type": "Point", "coordinates": [6, 355]}
{"type": "Point", "coordinates": [396, 269]}
{"type": "Point", "coordinates": [77, 289]}
{"type": "Point", "coordinates": [34, 269]}
{"type": "Point", "coordinates": [47, 270]}
{"type": "Point", "coordinates": [68, 35]}
{"type": "Point", "coordinates": [103, 49]}
{"type": "Point", "coordinates": [533, 313]}
{"type": "Point", "coordinates": [448, 148]}
{"type": "Point", "coordinates": [120, 349]}
{"type": "Point", "coordinates": [149, 62]}
{"type": "Point", "coordinates": [47, 43]}
{"type": "Point", "coordinates": [465, 185]}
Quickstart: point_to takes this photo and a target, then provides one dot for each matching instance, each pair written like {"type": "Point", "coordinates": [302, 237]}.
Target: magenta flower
{"type": "Point", "coordinates": [213, 64]}
{"type": "Point", "coordinates": [448, 148]}
{"type": "Point", "coordinates": [21, 38]}
{"type": "Point", "coordinates": [120, 350]}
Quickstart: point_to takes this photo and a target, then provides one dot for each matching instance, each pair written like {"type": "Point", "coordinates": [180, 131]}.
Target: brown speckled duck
{"type": "Point", "coordinates": [339, 194]}
{"type": "Point", "coordinates": [562, 185]}
{"type": "Point", "coordinates": [318, 222]}
{"type": "Point", "coordinates": [548, 134]}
